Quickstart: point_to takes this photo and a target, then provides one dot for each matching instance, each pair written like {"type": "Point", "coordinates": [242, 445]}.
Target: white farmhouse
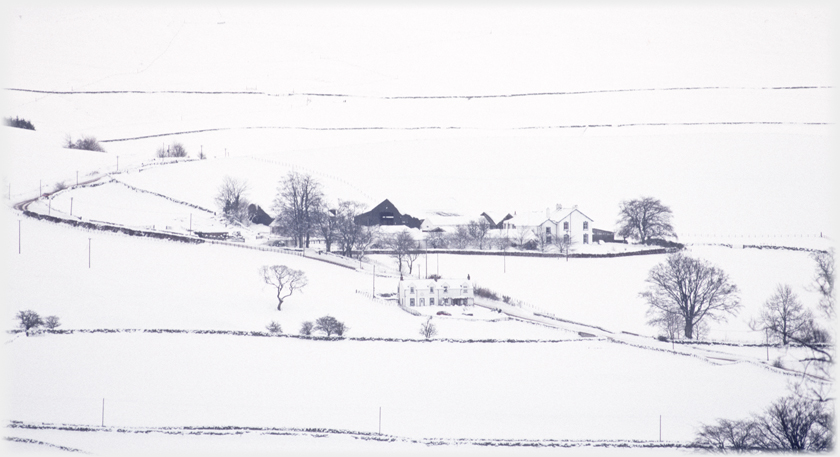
{"type": "Point", "coordinates": [568, 223]}
{"type": "Point", "coordinates": [431, 292]}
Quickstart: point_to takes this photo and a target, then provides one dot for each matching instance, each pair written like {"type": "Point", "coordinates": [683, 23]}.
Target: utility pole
{"type": "Point", "coordinates": [374, 280]}
{"type": "Point", "coordinates": [118, 163]}
{"type": "Point", "coordinates": [71, 206]}
{"type": "Point", "coordinates": [380, 420]}
{"type": "Point", "coordinates": [660, 428]}
{"type": "Point", "coordinates": [103, 401]}
{"type": "Point", "coordinates": [767, 343]}
{"type": "Point", "coordinates": [49, 206]}
{"type": "Point", "coordinates": [103, 412]}
{"type": "Point", "coordinates": [190, 223]}
{"type": "Point", "coordinates": [77, 177]}
{"type": "Point", "coordinates": [18, 236]}
{"type": "Point", "coordinates": [39, 188]}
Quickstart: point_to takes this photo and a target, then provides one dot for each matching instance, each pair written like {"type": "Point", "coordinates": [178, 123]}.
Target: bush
{"type": "Point", "coordinates": [88, 143]}
{"type": "Point", "coordinates": [274, 327]}
{"type": "Point", "coordinates": [428, 329]}
{"type": "Point", "coordinates": [59, 186]}
{"type": "Point", "coordinates": [174, 150]}
{"type": "Point", "coordinates": [664, 243]}
{"type": "Point", "coordinates": [486, 293]}
{"type": "Point", "coordinates": [19, 123]}
{"type": "Point", "coordinates": [778, 363]}
{"type": "Point", "coordinates": [330, 325]}
{"type": "Point", "coordinates": [306, 328]}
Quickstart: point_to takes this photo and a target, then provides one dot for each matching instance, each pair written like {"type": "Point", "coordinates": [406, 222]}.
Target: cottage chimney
{"type": "Point", "coordinates": [559, 207]}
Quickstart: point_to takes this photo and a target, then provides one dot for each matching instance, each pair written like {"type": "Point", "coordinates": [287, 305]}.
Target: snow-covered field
{"type": "Point", "coordinates": [569, 389]}
{"type": "Point", "coordinates": [735, 135]}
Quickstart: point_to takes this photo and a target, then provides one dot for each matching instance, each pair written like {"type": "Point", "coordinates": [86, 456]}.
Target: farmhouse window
{"type": "Point", "coordinates": [431, 301]}
{"type": "Point", "coordinates": [445, 289]}
{"type": "Point", "coordinates": [548, 230]}
{"type": "Point", "coordinates": [585, 226]}
{"type": "Point", "coordinates": [422, 302]}
{"type": "Point", "coordinates": [432, 289]}
{"type": "Point", "coordinates": [566, 239]}
{"type": "Point", "coordinates": [411, 290]}
{"type": "Point", "coordinates": [585, 238]}
{"type": "Point", "coordinates": [566, 225]}
{"type": "Point", "coordinates": [411, 302]}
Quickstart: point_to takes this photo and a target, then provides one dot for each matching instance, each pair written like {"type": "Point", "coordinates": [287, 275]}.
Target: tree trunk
{"type": "Point", "coordinates": [279, 304]}
{"type": "Point", "coordinates": [689, 329]}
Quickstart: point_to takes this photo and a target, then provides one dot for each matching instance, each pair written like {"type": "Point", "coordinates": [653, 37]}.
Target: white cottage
{"type": "Point", "coordinates": [431, 292]}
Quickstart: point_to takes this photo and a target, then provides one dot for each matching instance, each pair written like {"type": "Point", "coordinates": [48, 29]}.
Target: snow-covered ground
{"type": "Point", "coordinates": [733, 131]}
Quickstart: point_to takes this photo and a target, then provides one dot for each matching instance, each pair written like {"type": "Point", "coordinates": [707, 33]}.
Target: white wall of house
{"type": "Point", "coordinates": [428, 292]}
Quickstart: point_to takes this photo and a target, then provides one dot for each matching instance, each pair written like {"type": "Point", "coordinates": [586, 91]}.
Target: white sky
{"type": "Point", "coordinates": [740, 178]}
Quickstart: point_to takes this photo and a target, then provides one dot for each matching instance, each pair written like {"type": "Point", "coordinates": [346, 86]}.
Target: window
{"type": "Point", "coordinates": [432, 289]}
{"type": "Point", "coordinates": [585, 238]}
{"type": "Point", "coordinates": [566, 225]}
{"type": "Point", "coordinates": [422, 302]}
{"type": "Point", "coordinates": [548, 230]}
{"type": "Point", "coordinates": [411, 289]}
{"type": "Point", "coordinates": [445, 289]}
{"type": "Point", "coordinates": [411, 302]}
{"type": "Point", "coordinates": [431, 302]}
{"type": "Point", "coordinates": [585, 226]}
{"type": "Point", "coordinates": [566, 239]}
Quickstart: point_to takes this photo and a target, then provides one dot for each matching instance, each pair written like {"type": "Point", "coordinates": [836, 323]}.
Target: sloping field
{"type": "Point", "coordinates": [565, 390]}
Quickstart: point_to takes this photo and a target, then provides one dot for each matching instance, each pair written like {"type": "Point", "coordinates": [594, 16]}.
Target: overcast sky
{"type": "Point", "coordinates": [740, 177]}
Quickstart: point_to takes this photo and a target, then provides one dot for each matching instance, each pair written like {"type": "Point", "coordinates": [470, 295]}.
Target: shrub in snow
{"type": "Point", "coordinates": [274, 327]}
{"type": "Point", "coordinates": [29, 319]}
{"type": "Point", "coordinates": [428, 329]}
{"type": "Point", "coordinates": [486, 293]}
{"type": "Point", "coordinates": [87, 143]}
{"type": "Point", "coordinates": [51, 322]}
{"type": "Point", "coordinates": [19, 123]}
{"type": "Point", "coordinates": [175, 150]}
{"type": "Point", "coordinates": [330, 325]}
{"type": "Point", "coordinates": [306, 328]}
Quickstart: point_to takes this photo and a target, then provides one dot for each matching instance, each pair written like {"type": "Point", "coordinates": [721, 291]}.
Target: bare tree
{"type": "Point", "coordinates": [230, 198]}
{"type": "Point", "coordinates": [728, 435]}
{"type": "Point", "coordinates": [330, 325]}
{"type": "Point", "coordinates": [671, 323]}
{"type": "Point", "coordinates": [644, 219]}
{"type": "Point", "coordinates": [351, 236]}
{"type": "Point", "coordinates": [791, 424]}
{"type": "Point", "coordinates": [542, 239]}
{"type": "Point", "coordinates": [692, 288]}
{"type": "Point", "coordinates": [477, 231]}
{"type": "Point", "coordinates": [795, 423]}
{"type": "Point", "coordinates": [824, 280]}
{"type": "Point", "coordinates": [298, 199]}
{"type": "Point", "coordinates": [783, 316]}
{"type": "Point", "coordinates": [284, 279]}
{"type": "Point", "coordinates": [436, 240]}
{"type": "Point", "coordinates": [522, 236]}
{"type": "Point", "coordinates": [51, 322]}
{"type": "Point", "coordinates": [404, 249]}
{"type": "Point", "coordinates": [328, 225]}
{"type": "Point", "coordinates": [460, 238]}
{"type": "Point", "coordinates": [28, 320]}
{"type": "Point", "coordinates": [428, 329]}
{"type": "Point", "coordinates": [306, 328]}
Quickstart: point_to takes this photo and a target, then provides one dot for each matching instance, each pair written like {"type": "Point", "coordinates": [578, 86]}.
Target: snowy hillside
{"type": "Point", "coordinates": [724, 114]}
